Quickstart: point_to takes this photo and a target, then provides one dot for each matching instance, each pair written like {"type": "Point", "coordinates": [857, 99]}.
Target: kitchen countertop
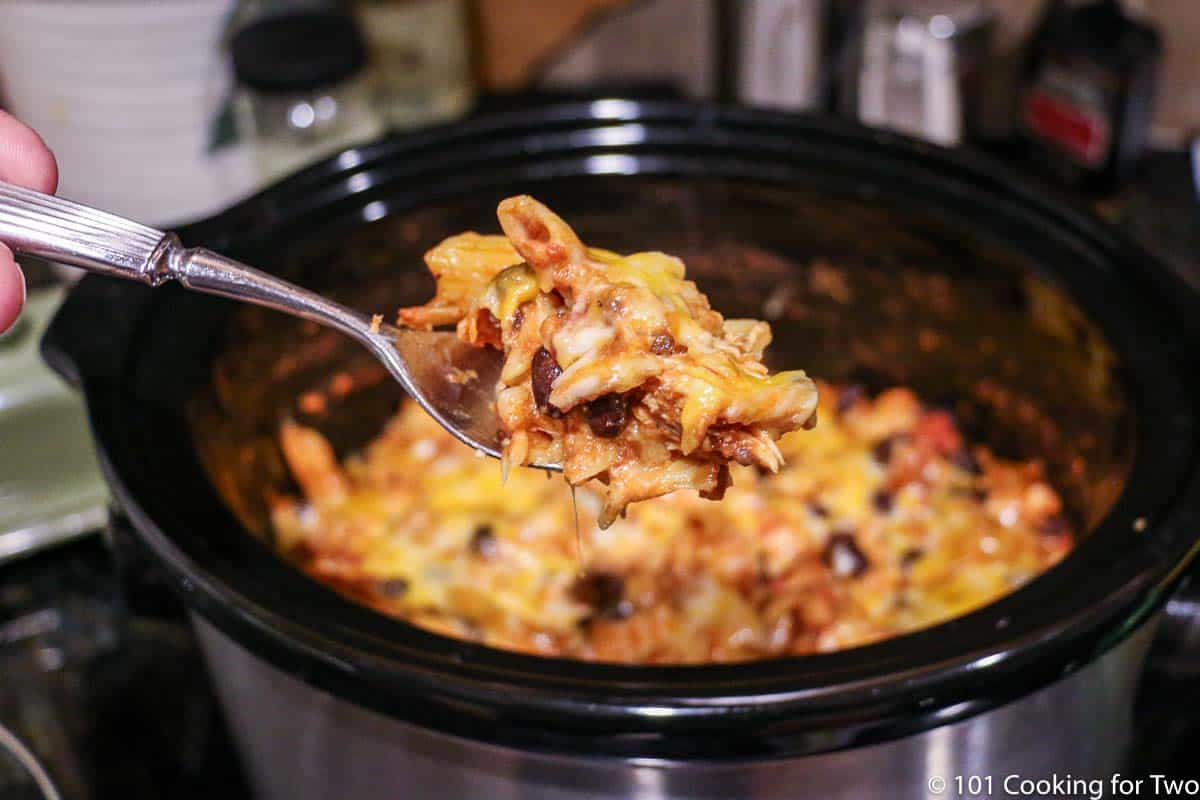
{"type": "Point", "coordinates": [109, 690]}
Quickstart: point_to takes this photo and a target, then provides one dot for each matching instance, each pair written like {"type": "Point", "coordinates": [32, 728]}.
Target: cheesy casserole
{"type": "Point", "coordinates": [881, 520]}
{"type": "Point", "coordinates": [614, 366]}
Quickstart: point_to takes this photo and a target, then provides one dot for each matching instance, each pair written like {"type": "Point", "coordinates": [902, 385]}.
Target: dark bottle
{"type": "Point", "coordinates": [1088, 91]}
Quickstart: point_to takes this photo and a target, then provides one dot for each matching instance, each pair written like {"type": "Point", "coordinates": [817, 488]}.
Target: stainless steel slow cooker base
{"type": "Point", "coordinates": [303, 744]}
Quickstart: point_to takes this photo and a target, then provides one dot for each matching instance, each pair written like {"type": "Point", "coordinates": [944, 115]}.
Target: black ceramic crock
{"type": "Point", "coordinates": [1056, 660]}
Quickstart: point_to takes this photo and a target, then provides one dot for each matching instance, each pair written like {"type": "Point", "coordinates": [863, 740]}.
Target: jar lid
{"type": "Point", "coordinates": [298, 51]}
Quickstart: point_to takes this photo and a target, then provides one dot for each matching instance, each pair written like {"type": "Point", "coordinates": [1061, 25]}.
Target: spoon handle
{"type": "Point", "coordinates": [425, 363]}
{"type": "Point", "coordinates": [212, 273]}
{"type": "Point", "coordinates": [71, 233]}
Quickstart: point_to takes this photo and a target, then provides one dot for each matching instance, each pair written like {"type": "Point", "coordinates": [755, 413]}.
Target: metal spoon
{"type": "Point", "coordinates": [452, 380]}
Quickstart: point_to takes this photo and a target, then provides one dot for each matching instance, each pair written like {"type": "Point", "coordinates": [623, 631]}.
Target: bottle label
{"type": "Point", "coordinates": [1068, 107]}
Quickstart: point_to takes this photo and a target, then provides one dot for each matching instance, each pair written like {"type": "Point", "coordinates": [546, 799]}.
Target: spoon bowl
{"type": "Point", "coordinates": [452, 380]}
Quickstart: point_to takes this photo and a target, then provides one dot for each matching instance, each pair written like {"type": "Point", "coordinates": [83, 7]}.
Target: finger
{"type": "Point", "coordinates": [24, 157]}
{"type": "Point", "coordinates": [12, 289]}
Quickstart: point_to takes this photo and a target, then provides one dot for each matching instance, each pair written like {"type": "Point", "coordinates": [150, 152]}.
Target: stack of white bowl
{"type": "Point", "coordinates": [127, 93]}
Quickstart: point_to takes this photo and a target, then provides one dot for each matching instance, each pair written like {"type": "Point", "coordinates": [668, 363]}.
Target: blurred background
{"type": "Point", "coordinates": [170, 111]}
{"type": "Point", "coordinates": [198, 102]}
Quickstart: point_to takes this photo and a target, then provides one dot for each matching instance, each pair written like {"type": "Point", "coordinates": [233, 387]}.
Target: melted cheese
{"type": "Point", "coordinates": [808, 559]}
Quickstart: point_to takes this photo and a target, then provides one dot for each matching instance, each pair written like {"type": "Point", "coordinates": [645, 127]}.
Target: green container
{"type": "Point", "coordinates": [51, 490]}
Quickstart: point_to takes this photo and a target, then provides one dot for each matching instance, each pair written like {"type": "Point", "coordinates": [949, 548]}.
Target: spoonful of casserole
{"type": "Point", "coordinates": [614, 367]}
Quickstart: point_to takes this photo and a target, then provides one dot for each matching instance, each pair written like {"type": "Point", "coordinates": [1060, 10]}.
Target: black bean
{"type": "Point", "coordinates": [882, 500]}
{"type": "Point", "coordinates": [607, 415]}
{"type": "Point", "coordinates": [965, 460]}
{"type": "Point", "coordinates": [545, 371]}
{"type": "Point", "coordinates": [882, 451]}
{"type": "Point", "coordinates": [484, 543]}
{"type": "Point", "coordinates": [843, 556]}
{"type": "Point", "coordinates": [976, 493]}
{"type": "Point", "coordinates": [393, 587]}
{"type": "Point", "coordinates": [910, 557]}
{"type": "Point", "coordinates": [604, 593]}
{"type": "Point", "coordinates": [849, 396]}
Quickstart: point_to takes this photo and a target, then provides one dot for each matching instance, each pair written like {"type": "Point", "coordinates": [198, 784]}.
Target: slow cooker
{"type": "Point", "coordinates": [1048, 332]}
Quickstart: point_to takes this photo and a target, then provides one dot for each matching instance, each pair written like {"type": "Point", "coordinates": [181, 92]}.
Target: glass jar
{"type": "Point", "coordinates": [303, 91]}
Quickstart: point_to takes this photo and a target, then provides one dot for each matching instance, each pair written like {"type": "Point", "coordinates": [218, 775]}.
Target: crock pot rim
{"type": "Point", "coordinates": [590, 702]}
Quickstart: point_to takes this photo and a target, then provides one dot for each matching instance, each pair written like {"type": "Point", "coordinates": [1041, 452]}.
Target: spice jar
{"type": "Point", "coordinates": [303, 88]}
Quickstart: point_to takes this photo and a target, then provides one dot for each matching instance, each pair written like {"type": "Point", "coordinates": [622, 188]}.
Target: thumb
{"type": "Point", "coordinates": [12, 289]}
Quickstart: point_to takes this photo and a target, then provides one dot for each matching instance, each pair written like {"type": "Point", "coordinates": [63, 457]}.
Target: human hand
{"type": "Point", "coordinates": [24, 160]}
